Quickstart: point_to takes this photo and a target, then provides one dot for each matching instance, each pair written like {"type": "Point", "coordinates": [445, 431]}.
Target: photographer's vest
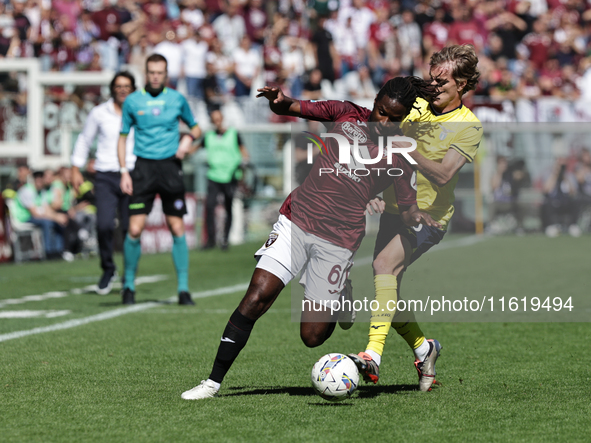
{"type": "Point", "coordinates": [223, 155]}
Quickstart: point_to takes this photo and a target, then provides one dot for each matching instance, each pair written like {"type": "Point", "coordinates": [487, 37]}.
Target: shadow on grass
{"type": "Point", "coordinates": [265, 390]}
{"type": "Point", "coordinates": [374, 391]}
{"type": "Point", "coordinates": [362, 392]}
{"type": "Point", "coordinates": [117, 302]}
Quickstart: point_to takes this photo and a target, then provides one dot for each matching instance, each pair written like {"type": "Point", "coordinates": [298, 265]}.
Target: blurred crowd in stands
{"type": "Point", "coordinates": [566, 196]}
{"type": "Point", "coordinates": [47, 200]}
{"type": "Point", "coordinates": [526, 48]}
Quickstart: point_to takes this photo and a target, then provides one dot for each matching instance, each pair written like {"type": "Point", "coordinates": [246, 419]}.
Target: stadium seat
{"type": "Point", "coordinates": [26, 238]}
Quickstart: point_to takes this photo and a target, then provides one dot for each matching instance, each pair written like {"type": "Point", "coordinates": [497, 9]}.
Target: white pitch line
{"type": "Point", "coordinates": [32, 314]}
{"type": "Point", "coordinates": [117, 313]}
{"type": "Point", "coordinates": [211, 293]}
{"type": "Point", "coordinates": [75, 291]}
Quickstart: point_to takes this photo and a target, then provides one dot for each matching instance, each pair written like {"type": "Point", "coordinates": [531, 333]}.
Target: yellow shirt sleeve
{"type": "Point", "coordinates": [467, 140]}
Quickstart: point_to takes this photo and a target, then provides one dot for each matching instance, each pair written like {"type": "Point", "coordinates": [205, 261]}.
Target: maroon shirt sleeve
{"type": "Point", "coordinates": [324, 110]}
{"type": "Point", "coordinates": [406, 184]}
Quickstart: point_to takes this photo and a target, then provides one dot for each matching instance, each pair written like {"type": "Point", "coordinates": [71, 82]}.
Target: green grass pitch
{"type": "Point", "coordinates": [120, 379]}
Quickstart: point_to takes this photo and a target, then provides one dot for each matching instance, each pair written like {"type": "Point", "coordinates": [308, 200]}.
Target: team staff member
{"type": "Point", "coordinates": [440, 155]}
{"type": "Point", "coordinates": [154, 113]}
{"type": "Point", "coordinates": [104, 122]}
{"type": "Point", "coordinates": [225, 152]}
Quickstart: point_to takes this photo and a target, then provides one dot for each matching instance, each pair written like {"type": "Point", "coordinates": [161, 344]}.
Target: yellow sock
{"type": "Point", "coordinates": [386, 290]}
{"type": "Point", "coordinates": [410, 330]}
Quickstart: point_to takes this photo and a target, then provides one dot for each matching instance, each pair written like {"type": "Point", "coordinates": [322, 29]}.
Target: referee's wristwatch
{"type": "Point", "coordinates": [123, 170]}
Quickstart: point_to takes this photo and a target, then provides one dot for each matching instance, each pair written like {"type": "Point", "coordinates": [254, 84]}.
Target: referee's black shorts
{"type": "Point", "coordinates": [163, 177]}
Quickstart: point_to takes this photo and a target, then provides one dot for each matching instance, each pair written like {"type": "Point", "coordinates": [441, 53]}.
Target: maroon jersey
{"type": "Point", "coordinates": [332, 206]}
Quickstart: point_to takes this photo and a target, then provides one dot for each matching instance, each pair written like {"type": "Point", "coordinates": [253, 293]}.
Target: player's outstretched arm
{"type": "Point", "coordinates": [412, 216]}
{"type": "Point", "coordinates": [439, 173]}
{"type": "Point", "coordinates": [279, 103]}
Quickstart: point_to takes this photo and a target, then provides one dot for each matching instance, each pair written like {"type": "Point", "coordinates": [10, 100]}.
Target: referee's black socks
{"type": "Point", "coordinates": [233, 340]}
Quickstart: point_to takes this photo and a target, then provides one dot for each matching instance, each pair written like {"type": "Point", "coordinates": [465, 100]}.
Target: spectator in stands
{"type": "Point", "coordinates": [230, 27]}
{"type": "Point", "coordinates": [272, 64]}
{"type": "Point", "coordinates": [583, 176]}
{"type": "Point", "coordinates": [30, 208]}
{"type": "Point", "coordinates": [324, 51]}
{"type": "Point", "coordinates": [212, 92]}
{"type": "Point", "coordinates": [63, 202]}
{"type": "Point", "coordinates": [109, 22]}
{"type": "Point", "coordinates": [528, 85]}
{"type": "Point", "coordinates": [194, 55]}
{"type": "Point", "coordinates": [191, 15]}
{"type": "Point", "coordinates": [505, 87]}
{"type": "Point", "coordinates": [246, 67]}
{"type": "Point", "coordinates": [435, 33]}
{"type": "Point", "coordinates": [225, 153]}
{"type": "Point", "coordinates": [583, 173]}
{"type": "Point", "coordinates": [509, 28]}
{"type": "Point", "coordinates": [255, 21]}
{"type": "Point", "coordinates": [465, 29]}
{"type": "Point", "coordinates": [223, 64]}
{"type": "Point", "coordinates": [345, 43]}
{"type": "Point", "coordinates": [559, 209]}
{"type": "Point", "coordinates": [139, 53]}
{"type": "Point", "coordinates": [538, 43]}
{"type": "Point", "coordinates": [361, 19]}
{"type": "Point", "coordinates": [23, 174]}
{"type": "Point", "coordinates": [507, 183]}
{"type": "Point", "coordinates": [292, 63]}
{"type": "Point", "coordinates": [382, 46]}
{"type": "Point", "coordinates": [409, 39]}
{"type": "Point", "coordinates": [359, 85]}
{"type": "Point", "coordinates": [171, 48]}
{"type": "Point", "coordinates": [312, 87]}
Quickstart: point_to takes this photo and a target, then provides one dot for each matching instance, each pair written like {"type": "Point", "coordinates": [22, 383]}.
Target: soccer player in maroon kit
{"type": "Point", "coordinates": [322, 222]}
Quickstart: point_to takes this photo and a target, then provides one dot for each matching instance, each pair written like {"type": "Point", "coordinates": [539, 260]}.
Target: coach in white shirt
{"type": "Point", "coordinates": [104, 121]}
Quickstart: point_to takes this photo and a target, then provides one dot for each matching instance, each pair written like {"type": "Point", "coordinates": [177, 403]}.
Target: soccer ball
{"type": "Point", "coordinates": [335, 377]}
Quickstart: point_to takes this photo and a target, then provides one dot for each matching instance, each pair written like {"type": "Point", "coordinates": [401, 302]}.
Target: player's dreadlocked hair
{"type": "Point", "coordinates": [405, 91]}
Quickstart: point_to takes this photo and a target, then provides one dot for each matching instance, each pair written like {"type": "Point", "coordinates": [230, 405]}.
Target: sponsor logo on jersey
{"type": "Point", "coordinates": [353, 132]}
{"type": "Point", "coordinates": [140, 113]}
{"type": "Point", "coordinates": [272, 237]}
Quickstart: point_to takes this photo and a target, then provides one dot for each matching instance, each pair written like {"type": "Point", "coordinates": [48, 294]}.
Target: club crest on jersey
{"type": "Point", "coordinates": [156, 112]}
{"type": "Point", "coordinates": [272, 237]}
{"type": "Point", "coordinates": [444, 132]}
{"type": "Point", "coordinates": [178, 204]}
{"type": "Point", "coordinates": [353, 132]}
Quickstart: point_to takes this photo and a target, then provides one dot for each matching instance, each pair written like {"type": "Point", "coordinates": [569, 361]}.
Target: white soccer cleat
{"type": "Point", "coordinates": [206, 389]}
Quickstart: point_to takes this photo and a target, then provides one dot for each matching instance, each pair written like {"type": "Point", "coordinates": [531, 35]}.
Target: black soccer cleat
{"type": "Point", "coordinates": [105, 284]}
{"type": "Point", "coordinates": [185, 298]}
{"type": "Point", "coordinates": [128, 296]}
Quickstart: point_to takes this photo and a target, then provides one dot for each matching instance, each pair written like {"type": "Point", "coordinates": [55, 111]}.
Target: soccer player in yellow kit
{"type": "Point", "coordinates": [452, 137]}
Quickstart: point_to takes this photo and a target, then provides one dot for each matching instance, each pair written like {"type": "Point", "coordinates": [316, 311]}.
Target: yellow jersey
{"type": "Point", "coordinates": [435, 134]}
